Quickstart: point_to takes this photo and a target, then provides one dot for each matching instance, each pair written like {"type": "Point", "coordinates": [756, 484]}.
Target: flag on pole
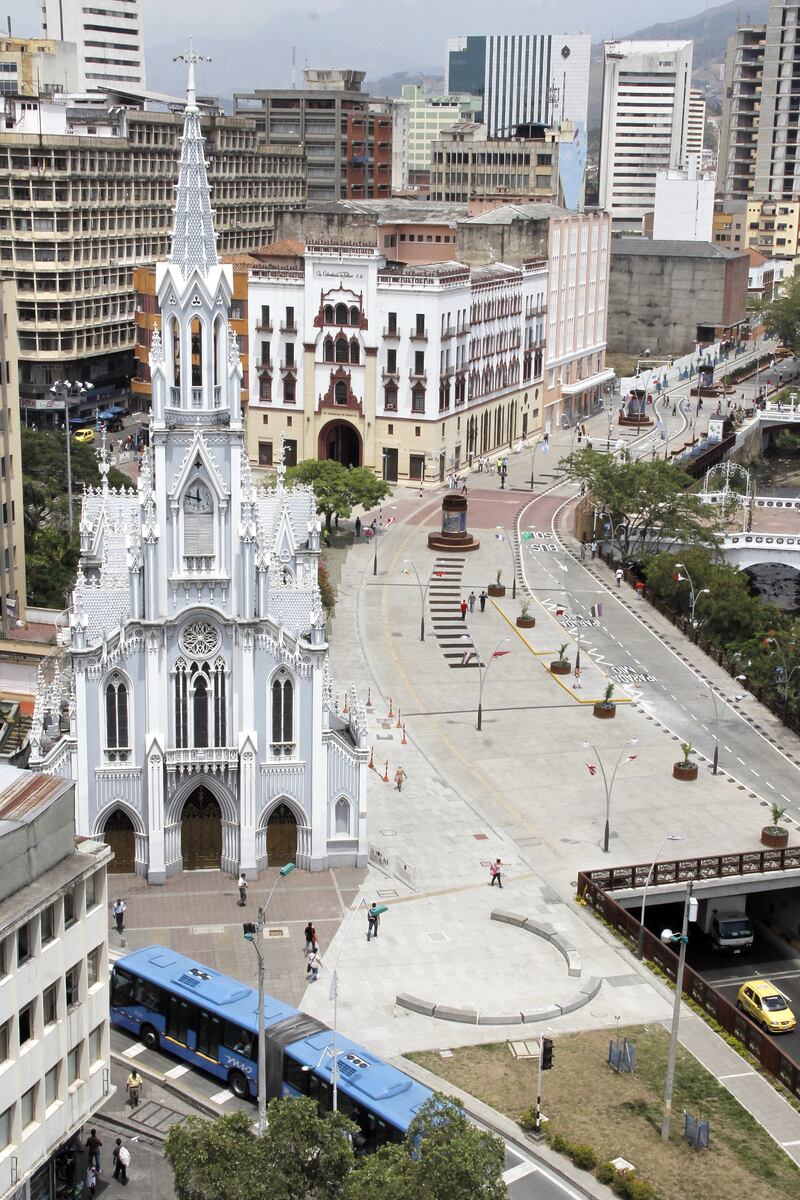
{"type": "Point", "coordinates": [631, 757]}
{"type": "Point", "coordinates": [499, 653]}
{"type": "Point", "coordinates": [591, 768]}
{"type": "Point", "coordinates": [596, 610]}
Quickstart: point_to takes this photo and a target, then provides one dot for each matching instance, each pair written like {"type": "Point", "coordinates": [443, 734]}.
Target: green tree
{"type": "Point", "coordinates": [307, 1154]}
{"type": "Point", "coordinates": [649, 499]}
{"type": "Point", "coordinates": [338, 488]}
{"type": "Point", "coordinates": [389, 1174]}
{"type": "Point", "coordinates": [218, 1160]}
{"type": "Point", "coordinates": [781, 316]}
{"type": "Point", "coordinates": [456, 1160]}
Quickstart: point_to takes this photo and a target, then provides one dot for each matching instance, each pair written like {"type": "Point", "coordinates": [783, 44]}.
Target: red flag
{"type": "Point", "coordinates": [591, 768]}
{"type": "Point", "coordinates": [499, 653]}
{"type": "Point", "coordinates": [559, 612]}
{"type": "Point", "coordinates": [631, 757]}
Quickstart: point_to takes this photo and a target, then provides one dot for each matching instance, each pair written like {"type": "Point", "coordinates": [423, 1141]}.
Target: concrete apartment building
{"type": "Point", "coordinates": [771, 227]}
{"type": "Point", "coordinates": [646, 87]}
{"type": "Point", "coordinates": [12, 528]}
{"type": "Point", "coordinates": [741, 105]}
{"type": "Point", "coordinates": [418, 120]}
{"type": "Point", "coordinates": [345, 134]}
{"type": "Point", "coordinates": [54, 1029]}
{"type": "Point", "coordinates": [87, 194]}
{"type": "Point", "coordinates": [528, 79]}
{"type": "Point", "coordinates": [109, 39]}
{"type": "Point", "coordinates": [467, 166]}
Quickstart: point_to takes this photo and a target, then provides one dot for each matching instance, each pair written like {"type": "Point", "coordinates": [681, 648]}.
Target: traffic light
{"type": "Point", "coordinates": [249, 930]}
{"type": "Point", "coordinates": [547, 1054]}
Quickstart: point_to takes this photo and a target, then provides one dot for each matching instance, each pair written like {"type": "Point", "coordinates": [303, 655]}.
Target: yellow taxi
{"type": "Point", "coordinates": [83, 436]}
{"type": "Point", "coordinates": [767, 1006]}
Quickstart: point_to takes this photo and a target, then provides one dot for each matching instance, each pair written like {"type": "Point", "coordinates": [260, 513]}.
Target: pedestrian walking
{"type": "Point", "coordinates": [589, 443]}
{"type": "Point", "coordinates": [482, 601]}
{"type": "Point", "coordinates": [310, 935]}
{"type": "Point", "coordinates": [674, 408]}
{"type": "Point", "coordinates": [94, 1146]}
{"type": "Point", "coordinates": [594, 548]}
{"type": "Point", "coordinates": [471, 601]}
{"type": "Point", "coordinates": [463, 607]}
{"type": "Point", "coordinates": [134, 1087]}
{"type": "Point", "coordinates": [312, 967]}
{"type": "Point", "coordinates": [122, 1160]}
{"type": "Point", "coordinates": [118, 910]}
{"type": "Point", "coordinates": [640, 589]}
{"type": "Point", "coordinates": [358, 526]}
{"type": "Point", "coordinates": [91, 1180]}
{"type": "Point", "coordinates": [583, 550]}
{"type": "Point", "coordinates": [494, 871]}
{"type": "Point", "coordinates": [399, 778]}
{"type": "Point", "coordinates": [618, 575]}
{"type": "Point", "coordinates": [373, 921]}
{"type": "Point", "coordinates": [242, 886]}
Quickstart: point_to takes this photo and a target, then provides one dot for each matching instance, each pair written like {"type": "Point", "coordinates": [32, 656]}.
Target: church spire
{"type": "Point", "coordinates": [193, 239]}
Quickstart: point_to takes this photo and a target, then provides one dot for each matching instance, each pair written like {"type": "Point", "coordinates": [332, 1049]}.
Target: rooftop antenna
{"type": "Point", "coordinates": [294, 67]}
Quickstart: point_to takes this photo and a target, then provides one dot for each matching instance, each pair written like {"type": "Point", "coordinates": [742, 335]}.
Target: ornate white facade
{"type": "Point", "coordinates": [194, 706]}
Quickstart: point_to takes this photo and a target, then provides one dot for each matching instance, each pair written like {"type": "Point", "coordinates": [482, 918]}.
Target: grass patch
{"type": "Point", "coordinates": [587, 1102]}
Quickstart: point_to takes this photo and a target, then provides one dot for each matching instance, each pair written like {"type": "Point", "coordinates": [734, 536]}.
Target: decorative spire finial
{"type": "Point", "coordinates": [156, 348]}
{"type": "Point", "coordinates": [193, 238]}
{"type": "Point", "coordinates": [281, 471]}
{"type": "Point", "coordinates": [103, 465]}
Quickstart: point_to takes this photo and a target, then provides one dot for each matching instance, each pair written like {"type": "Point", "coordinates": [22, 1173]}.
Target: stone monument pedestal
{"type": "Point", "coordinates": [454, 535]}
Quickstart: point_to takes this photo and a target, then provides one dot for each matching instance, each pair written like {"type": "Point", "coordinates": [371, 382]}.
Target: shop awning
{"type": "Point", "coordinates": [583, 385]}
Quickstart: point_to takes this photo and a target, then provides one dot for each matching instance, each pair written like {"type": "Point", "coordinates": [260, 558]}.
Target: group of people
{"type": "Point", "coordinates": [121, 1156]}
{"type": "Point", "coordinates": [469, 604]}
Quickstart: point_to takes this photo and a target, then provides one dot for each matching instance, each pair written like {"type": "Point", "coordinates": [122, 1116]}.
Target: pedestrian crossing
{"type": "Point", "coordinates": [444, 599]}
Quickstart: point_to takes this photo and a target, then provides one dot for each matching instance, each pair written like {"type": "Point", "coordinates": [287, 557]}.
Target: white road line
{"type": "Point", "coordinates": [176, 1072]}
{"type": "Point", "coordinates": [740, 760]}
{"type": "Point", "coordinates": [221, 1097]}
{"type": "Point", "coordinates": [518, 1172]}
{"type": "Point", "coordinates": [785, 798]}
{"type": "Point", "coordinates": [736, 1075]}
{"type": "Point", "coordinates": [770, 785]}
{"type": "Point", "coordinates": [136, 1048]}
{"type": "Point", "coordinates": [728, 749]}
{"type": "Point", "coordinates": [752, 772]}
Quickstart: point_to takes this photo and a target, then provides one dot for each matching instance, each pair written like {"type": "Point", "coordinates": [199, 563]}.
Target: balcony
{"type": "Point", "coordinates": [417, 377]}
{"type": "Point", "coordinates": [264, 326]}
{"type": "Point", "coordinates": [287, 327]}
{"type": "Point", "coordinates": [288, 368]}
{"type": "Point", "coordinates": [197, 397]}
{"type": "Point", "coordinates": [418, 334]}
{"type": "Point", "coordinates": [265, 366]}
{"type": "Point", "coordinates": [190, 757]}
{"type": "Point", "coordinates": [448, 332]}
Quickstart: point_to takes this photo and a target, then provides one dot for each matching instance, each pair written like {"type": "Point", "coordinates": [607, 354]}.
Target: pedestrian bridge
{"type": "Point", "coordinates": [753, 549]}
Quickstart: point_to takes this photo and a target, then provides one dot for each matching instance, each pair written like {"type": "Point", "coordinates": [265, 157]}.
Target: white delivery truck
{"type": "Point", "coordinates": [726, 923]}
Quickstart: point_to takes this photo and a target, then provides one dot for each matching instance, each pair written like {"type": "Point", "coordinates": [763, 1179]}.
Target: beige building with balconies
{"type": "Point", "coordinates": [12, 531]}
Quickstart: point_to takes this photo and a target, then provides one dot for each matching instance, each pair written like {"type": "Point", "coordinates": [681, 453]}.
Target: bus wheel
{"type": "Point", "coordinates": [149, 1036]}
{"type": "Point", "coordinates": [239, 1085]}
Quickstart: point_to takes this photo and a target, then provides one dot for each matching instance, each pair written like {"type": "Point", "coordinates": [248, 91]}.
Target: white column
{"type": "Point", "coordinates": [83, 825]}
{"type": "Point", "coordinates": [155, 797]}
{"type": "Point", "coordinates": [248, 767]}
{"type": "Point", "coordinates": [317, 771]}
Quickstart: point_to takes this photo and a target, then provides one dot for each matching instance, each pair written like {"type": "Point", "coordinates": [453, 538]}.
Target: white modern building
{"type": "Point", "coordinates": [109, 37]}
{"type": "Point", "coordinates": [194, 707]}
{"type": "Point", "coordinates": [645, 117]}
{"type": "Point", "coordinates": [54, 1035]}
{"type": "Point", "coordinates": [695, 125]}
{"type": "Point", "coordinates": [684, 206]}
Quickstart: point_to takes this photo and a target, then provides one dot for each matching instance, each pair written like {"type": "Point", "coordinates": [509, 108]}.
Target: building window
{"type": "Point", "coordinates": [340, 392]}
{"type": "Point", "coordinates": [48, 924]}
{"type": "Point", "coordinates": [5, 1127]}
{"type": "Point", "coordinates": [265, 454]}
{"type": "Point", "coordinates": [391, 361]}
{"type": "Point", "coordinates": [96, 1044]}
{"type": "Point", "coordinates": [392, 319]}
{"type": "Point", "coordinates": [72, 982]}
{"type": "Point", "coordinates": [419, 362]}
{"type": "Point", "coordinates": [23, 944]}
{"type": "Point", "coordinates": [26, 1016]}
{"type": "Point", "coordinates": [288, 391]}
{"type": "Point", "coordinates": [390, 398]}
{"type": "Point", "coordinates": [91, 890]}
{"type": "Point", "coordinates": [199, 708]}
{"type": "Point", "coordinates": [265, 317]}
{"type": "Point", "coordinates": [74, 1065]}
{"type": "Point", "coordinates": [220, 703]}
{"type": "Point", "coordinates": [341, 314]}
{"type": "Point", "coordinates": [342, 350]}
{"type": "Point", "coordinates": [51, 1086]}
{"type": "Point", "coordinates": [116, 717]}
{"type": "Point", "coordinates": [355, 316]}
{"type": "Point", "coordinates": [69, 908]}
{"type": "Point", "coordinates": [3, 957]}
{"type": "Point", "coordinates": [327, 350]}
{"type": "Point", "coordinates": [419, 326]}
{"type": "Point", "coordinates": [50, 1005]}
{"type": "Point", "coordinates": [342, 816]}
{"type": "Point", "coordinates": [418, 400]}
{"type": "Point", "coordinates": [265, 388]}
{"type": "Point", "coordinates": [27, 1108]}
{"type": "Point", "coordinates": [355, 352]}
{"type": "Point", "coordinates": [289, 352]}
{"type": "Point", "coordinates": [290, 325]}
{"type": "Point", "coordinates": [181, 706]}
{"type": "Point", "coordinates": [93, 965]}
{"type": "Point", "coordinates": [5, 1040]}
{"type": "Point", "coordinates": [282, 713]}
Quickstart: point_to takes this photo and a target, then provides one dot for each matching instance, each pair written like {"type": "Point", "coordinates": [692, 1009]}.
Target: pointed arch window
{"type": "Point", "coordinates": [327, 314]}
{"type": "Point", "coordinates": [355, 316]}
{"type": "Point", "coordinates": [181, 706]}
{"type": "Point", "coordinates": [200, 705]}
{"type": "Point", "coordinates": [282, 713]}
{"type": "Point", "coordinates": [355, 352]}
{"type": "Point", "coordinates": [220, 703]}
{"type": "Point", "coordinates": [341, 816]}
{"type": "Point", "coordinates": [342, 350]}
{"type": "Point", "coordinates": [341, 314]}
{"type": "Point", "coordinates": [327, 350]}
{"type": "Point", "coordinates": [117, 735]}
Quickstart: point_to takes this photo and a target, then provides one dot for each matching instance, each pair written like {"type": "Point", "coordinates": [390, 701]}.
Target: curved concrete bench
{"type": "Point", "coordinates": [548, 932]}
{"type": "Point", "coordinates": [470, 1016]}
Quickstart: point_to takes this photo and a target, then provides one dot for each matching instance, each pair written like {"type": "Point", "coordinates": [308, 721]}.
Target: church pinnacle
{"type": "Point", "coordinates": [193, 238]}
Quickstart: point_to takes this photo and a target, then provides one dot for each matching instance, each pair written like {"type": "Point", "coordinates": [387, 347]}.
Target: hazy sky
{"type": "Point", "coordinates": [249, 38]}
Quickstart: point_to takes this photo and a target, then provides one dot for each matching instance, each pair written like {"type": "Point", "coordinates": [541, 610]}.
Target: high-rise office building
{"type": "Point", "coordinates": [738, 132]}
{"type": "Point", "coordinates": [110, 40]}
{"type": "Point", "coordinates": [646, 88]}
{"type": "Point", "coordinates": [696, 125]}
{"type": "Point", "coordinates": [528, 79]}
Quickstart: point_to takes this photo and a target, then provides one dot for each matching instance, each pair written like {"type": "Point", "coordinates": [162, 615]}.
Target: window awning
{"type": "Point", "coordinates": [583, 385]}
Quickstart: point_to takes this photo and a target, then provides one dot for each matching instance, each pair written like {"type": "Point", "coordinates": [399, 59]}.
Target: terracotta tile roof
{"type": "Point", "coordinates": [286, 248]}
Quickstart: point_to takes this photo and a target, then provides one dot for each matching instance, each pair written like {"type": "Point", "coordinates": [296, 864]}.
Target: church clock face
{"type": "Point", "coordinates": [198, 499]}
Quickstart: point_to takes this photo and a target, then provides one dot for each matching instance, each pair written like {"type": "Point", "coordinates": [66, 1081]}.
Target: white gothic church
{"type": "Point", "coordinates": [193, 704]}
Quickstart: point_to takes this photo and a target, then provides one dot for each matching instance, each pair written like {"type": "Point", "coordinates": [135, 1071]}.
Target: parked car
{"type": "Point", "coordinates": [767, 1006]}
{"type": "Point", "coordinates": [84, 435]}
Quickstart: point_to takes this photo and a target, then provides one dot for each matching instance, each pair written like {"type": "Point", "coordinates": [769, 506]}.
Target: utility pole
{"type": "Point", "coordinates": [683, 938]}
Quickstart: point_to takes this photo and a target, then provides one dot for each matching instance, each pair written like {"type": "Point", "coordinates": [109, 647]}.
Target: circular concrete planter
{"type": "Point", "coordinates": [604, 712]}
{"type": "Point", "coordinates": [774, 837]}
{"type": "Point", "coordinates": [525, 622]}
{"type": "Point", "coordinates": [679, 771]}
{"type": "Point", "coordinates": [496, 589]}
{"type": "Point", "coordinates": [560, 667]}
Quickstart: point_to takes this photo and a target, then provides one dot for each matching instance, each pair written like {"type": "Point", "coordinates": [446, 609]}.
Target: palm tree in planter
{"type": "Point", "coordinates": [774, 835]}
{"type": "Point", "coordinates": [686, 769]}
{"type": "Point", "coordinates": [497, 588]}
{"type": "Point", "coordinates": [561, 665]}
{"type": "Point", "coordinates": [525, 620]}
{"type": "Point", "coordinates": [606, 709]}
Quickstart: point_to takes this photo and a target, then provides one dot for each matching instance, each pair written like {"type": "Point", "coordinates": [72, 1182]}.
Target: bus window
{"type": "Point", "coordinates": [294, 1075]}
{"type": "Point", "coordinates": [242, 1041]}
{"type": "Point", "coordinates": [149, 995]}
{"type": "Point", "coordinates": [122, 988]}
{"type": "Point", "coordinates": [179, 1014]}
{"type": "Point", "coordinates": [208, 1035]}
{"type": "Point", "coordinates": [321, 1091]}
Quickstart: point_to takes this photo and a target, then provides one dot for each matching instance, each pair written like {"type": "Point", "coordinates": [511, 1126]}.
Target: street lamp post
{"type": "Point", "coordinates": [670, 837]}
{"type": "Point", "coordinates": [423, 592]}
{"type": "Point", "coordinates": [609, 784]}
{"type": "Point", "coordinates": [255, 936]}
{"type": "Point", "coordinates": [64, 391]}
{"type": "Point", "coordinates": [375, 533]}
{"type": "Point", "coordinates": [483, 668]}
{"type": "Point", "coordinates": [718, 714]}
{"type": "Point", "coordinates": [693, 595]}
{"type": "Point", "coordinates": [502, 536]}
{"type": "Point", "coordinates": [683, 938]}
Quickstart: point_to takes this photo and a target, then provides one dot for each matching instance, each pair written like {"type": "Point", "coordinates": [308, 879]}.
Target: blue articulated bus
{"type": "Point", "coordinates": [207, 1019]}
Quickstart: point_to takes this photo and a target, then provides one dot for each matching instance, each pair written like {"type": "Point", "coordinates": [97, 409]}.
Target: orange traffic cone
{"type": "Point", "coordinates": [386, 772]}
{"type": "Point", "coordinates": [404, 739]}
